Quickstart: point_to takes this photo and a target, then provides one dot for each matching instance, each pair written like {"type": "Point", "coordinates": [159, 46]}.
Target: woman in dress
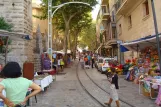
{"type": "Point", "coordinates": [16, 86]}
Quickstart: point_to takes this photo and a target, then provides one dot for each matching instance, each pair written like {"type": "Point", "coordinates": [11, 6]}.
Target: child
{"type": "Point", "coordinates": [114, 87]}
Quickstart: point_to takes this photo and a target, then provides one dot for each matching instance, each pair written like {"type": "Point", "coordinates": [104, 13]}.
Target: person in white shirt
{"type": "Point", "coordinates": [82, 62]}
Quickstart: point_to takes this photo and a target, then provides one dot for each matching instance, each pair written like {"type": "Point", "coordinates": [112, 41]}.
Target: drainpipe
{"type": "Point", "coordinates": [156, 31]}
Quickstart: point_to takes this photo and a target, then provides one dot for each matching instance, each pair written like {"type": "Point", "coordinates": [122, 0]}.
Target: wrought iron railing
{"type": "Point", "coordinates": [118, 4]}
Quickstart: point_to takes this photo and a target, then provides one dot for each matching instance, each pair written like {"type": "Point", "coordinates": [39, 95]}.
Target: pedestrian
{"type": "Point", "coordinates": [113, 79]}
{"type": "Point", "coordinates": [82, 62]}
{"type": "Point", "coordinates": [15, 86]}
{"type": "Point", "coordinates": [93, 62]}
{"type": "Point", "coordinates": [115, 57]}
{"type": "Point", "coordinates": [89, 59]}
{"type": "Point", "coordinates": [61, 63]}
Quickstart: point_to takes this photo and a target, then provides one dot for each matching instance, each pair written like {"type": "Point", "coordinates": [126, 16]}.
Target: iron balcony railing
{"type": "Point", "coordinates": [118, 4]}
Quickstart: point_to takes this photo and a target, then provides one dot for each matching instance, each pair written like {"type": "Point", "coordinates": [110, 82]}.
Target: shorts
{"type": "Point", "coordinates": [113, 93]}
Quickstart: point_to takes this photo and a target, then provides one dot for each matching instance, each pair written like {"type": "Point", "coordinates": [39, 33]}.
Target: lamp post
{"type": "Point", "coordinates": [50, 17]}
{"type": "Point", "coordinates": [156, 31]}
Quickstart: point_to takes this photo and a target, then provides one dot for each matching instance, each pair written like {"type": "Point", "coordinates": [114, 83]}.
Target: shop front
{"type": "Point", "coordinates": [144, 67]}
{"type": "Point", "coordinates": [112, 47]}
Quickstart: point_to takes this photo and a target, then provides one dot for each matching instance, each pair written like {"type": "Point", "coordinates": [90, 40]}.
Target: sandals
{"type": "Point", "coordinates": [107, 104]}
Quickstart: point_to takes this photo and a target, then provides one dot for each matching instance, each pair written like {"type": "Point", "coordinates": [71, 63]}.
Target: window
{"type": "Point", "coordinates": [120, 29]}
{"type": "Point", "coordinates": [146, 8]}
{"type": "Point", "coordinates": [129, 21]}
{"type": "Point", "coordinates": [113, 16]}
{"type": "Point", "coordinates": [104, 9]}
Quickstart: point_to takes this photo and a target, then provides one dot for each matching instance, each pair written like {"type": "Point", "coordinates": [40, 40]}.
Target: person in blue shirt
{"type": "Point", "coordinates": [89, 59]}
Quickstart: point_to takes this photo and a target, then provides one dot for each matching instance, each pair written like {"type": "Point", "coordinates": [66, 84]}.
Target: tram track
{"type": "Point", "coordinates": [106, 90]}
{"type": "Point", "coordinates": [85, 89]}
{"type": "Point", "coordinates": [98, 86]}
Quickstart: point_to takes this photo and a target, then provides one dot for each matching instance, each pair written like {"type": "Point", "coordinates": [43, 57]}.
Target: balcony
{"type": "Point", "coordinates": [104, 2]}
{"type": "Point", "coordinates": [123, 6]}
{"type": "Point", "coordinates": [105, 12]}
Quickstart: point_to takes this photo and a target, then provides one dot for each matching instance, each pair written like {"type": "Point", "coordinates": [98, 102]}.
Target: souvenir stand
{"type": "Point", "coordinates": [44, 77]}
{"type": "Point", "coordinates": [146, 71]}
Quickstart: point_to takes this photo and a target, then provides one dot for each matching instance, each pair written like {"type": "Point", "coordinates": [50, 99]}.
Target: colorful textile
{"type": "Point", "coordinates": [158, 100]}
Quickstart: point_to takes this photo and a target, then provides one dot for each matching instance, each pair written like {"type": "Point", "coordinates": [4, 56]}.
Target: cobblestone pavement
{"type": "Point", "coordinates": [128, 91]}
{"type": "Point", "coordinates": [67, 92]}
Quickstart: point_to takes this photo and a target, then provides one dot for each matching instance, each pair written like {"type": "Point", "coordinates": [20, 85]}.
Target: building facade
{"type": "Point", "coordinates": [18, 13]}
{"type": "Point", "coordinates": [128, 20]}
{"type": "Point", "coordinates": [134, 20]}
{"type": "Point", "coordinates": [36, 10]}
{"type": "Point", "coordinates": [106, 26]}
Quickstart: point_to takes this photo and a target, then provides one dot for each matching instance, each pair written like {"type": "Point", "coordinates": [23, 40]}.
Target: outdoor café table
{"type": "Point", "coordinates": [151, 83]}
{"type": "Point", "coordinates": [43, 81]}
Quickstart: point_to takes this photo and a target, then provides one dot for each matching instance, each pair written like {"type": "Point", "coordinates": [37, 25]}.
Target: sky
{"type": "Point", "coordinates": [96, 9]}
{"type": "Point", "coordinates": [94, 12]}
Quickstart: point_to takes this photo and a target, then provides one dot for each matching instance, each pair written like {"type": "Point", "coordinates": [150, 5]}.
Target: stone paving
{"type": "Point", "coordinates": [67, 92]}
{"type": "Point", "coordinates": [128, 91]}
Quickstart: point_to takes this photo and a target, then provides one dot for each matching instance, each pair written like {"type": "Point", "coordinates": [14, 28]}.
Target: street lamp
{"type": "Point", "coordinates": [50, 16]}
{"type": "Point", "coordinates": [156, 31]}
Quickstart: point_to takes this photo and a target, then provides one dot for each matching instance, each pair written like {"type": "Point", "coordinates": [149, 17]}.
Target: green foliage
{"type": "Point", "coordinates": [88, 37]}
{"type": "Point", "coordinates": [4, 25]}
{"type": "Point", "coordinates": [67, 10]}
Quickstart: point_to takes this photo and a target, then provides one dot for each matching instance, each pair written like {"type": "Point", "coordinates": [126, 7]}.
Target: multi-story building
{"type": "Point", "coordinates": [106, 25]}
{"type": "Point", "coordinates": [134, 20]}
{"type": "Point", "coordinates": [19, 14]}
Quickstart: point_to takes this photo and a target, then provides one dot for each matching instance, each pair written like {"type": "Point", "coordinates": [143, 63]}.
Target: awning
{"type": "Point", "coordinates": [111, 42]}
{"type": "Point", "coordinates": [98, 48]}
{"type": "Point", "coordinates": [140, 44]}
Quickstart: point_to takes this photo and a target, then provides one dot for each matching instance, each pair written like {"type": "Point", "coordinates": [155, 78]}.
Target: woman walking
{"type": "Point", "coordinates": [16, 86]}
{"type": "Point", "coordinates": [114, 87]}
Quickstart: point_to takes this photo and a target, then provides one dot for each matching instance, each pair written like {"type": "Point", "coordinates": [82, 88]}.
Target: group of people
{"type": "Point", "coordinates": [87, 60]}
{"type": "Point", "coordinates": [113, 78]}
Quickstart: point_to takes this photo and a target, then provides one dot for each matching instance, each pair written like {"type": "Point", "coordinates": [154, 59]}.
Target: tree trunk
{"type": "Point", "coordinates": [75, 43]}
{"type": "Point", "coordinates": [67, 22]}
{"type": "Point", "coordinates": [66, 42]}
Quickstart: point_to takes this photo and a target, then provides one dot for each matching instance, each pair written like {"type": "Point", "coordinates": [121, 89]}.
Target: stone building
{"type": "Point", "coordinates": [135, 20]}
{"type": "Point", "coordinates": [18, 13]}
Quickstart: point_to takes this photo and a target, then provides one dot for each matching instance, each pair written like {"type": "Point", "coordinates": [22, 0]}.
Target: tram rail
{"type": "Point", "coordinates": [94, 98]}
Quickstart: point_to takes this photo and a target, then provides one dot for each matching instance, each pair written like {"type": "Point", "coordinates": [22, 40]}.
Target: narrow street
{"type": "Point", "coordinates": [66, 91]}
